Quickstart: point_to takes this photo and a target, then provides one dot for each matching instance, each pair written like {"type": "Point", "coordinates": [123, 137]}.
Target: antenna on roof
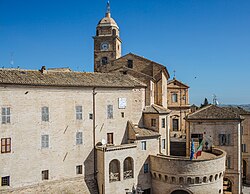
{"type": "Point", "coordinates": [174, 74]}
{"type": "Point", "coordinates": [12, 59]}
{"type": "Point", "coordinates": [215, 101]}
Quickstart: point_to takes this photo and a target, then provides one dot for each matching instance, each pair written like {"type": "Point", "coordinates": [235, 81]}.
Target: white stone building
{"type": "Point", "coordinates": [76, 132]}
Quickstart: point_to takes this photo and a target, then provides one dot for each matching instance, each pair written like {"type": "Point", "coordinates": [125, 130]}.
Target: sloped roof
{"type": "Point", "coordinates": [162, 67]}
{"type": "Point", "coordinates": [156, 109]}
{"type": "Point", "coordinates": [141, 133]}
{"type": "Point", "coordinates": [212, 112]}
{"type": "Point", "coordinates": [175, 80]}
{"type": "Point", "coordinates": [237, 110]}
{"type": "Point", "coordinates": [66, 79]}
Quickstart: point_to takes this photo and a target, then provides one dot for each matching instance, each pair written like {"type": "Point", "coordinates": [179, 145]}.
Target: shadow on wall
{"type": "Point", "coordinates": [144, 177]}
{"type": "Point", "coordinates": [89, 173]}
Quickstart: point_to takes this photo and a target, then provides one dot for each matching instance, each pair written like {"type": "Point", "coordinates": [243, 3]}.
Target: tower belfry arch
{"type": "Point", "coordinates": [107, 43]}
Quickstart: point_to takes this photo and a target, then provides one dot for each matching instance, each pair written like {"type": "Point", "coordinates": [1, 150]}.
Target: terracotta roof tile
{"type": "Point", "coordinates": [153, 108]}
{"type": "Point", "coordinates": [67, 79]}
{"type": "Point", "coordinates": [212, 112]}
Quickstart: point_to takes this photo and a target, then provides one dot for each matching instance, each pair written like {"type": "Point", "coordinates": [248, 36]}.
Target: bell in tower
{"type": "Point", "coordinates": [107, 44]}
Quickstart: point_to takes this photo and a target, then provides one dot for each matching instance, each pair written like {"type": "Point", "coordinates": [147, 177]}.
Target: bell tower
{"type": "Point", "coordinates": [107, 43]}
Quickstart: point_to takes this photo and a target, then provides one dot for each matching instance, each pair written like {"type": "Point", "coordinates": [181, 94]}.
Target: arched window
{"type": "Point", "coordinates": [128, 168]}
{"type": "Point", "coordinates": [216, 176]}
{"type": "Point", "coordinates": [181, 180]}
{"type": "Point", "coordinates": [211, 178]}
{"type": "Point", "coordinates": [114, 32]}
{"type": "Point", "coordinates": [104, 60]}
{"type": "Point", "coordinates": [97, 32]}
{"type": "Point", "coordinates": [166, 178]}
{"type": "Point", "coordinates": [220, 175]}
{"type": "Point", "coordinates": [197, 180]}
{"type": "Point", "coordinates": [114, 170]}
{"type": "Point", "coordinates": [159, 176]}
{"type": "Point", "coordinates": [173, 179]}
{"type": "Point", "coordinates": [204, 179]}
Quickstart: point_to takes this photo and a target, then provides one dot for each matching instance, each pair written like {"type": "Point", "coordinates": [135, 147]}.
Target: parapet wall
{"type": "Point", "coordinates": [203, 176]}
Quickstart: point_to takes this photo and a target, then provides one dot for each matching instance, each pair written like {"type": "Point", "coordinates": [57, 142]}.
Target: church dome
{"type": "Point", "coordinates": [107, 21]}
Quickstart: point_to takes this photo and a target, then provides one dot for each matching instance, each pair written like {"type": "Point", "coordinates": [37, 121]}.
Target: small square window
{"type": "Point", "coordinates": [79, 169]}
{"type": "Point", "coordinates": [5, 145]}
{"type": "Point", "coordinates": [244, 147]}
{"type": "Point", "coordinates": [110, 111]}
{"type": "Point", "coordinates": [45, 175]}
{"type": "Point", "coordinates": [143, 145]}
{"type": "Point", "coordinates": [45, 141]}
{"type": "Point", "coordinates": [90, 116]}
{"type": "Point", "coordinates": [122, 113]}
{"type": "Point", "coordinates": [153, 122]}
{"type": "Point", "coordinates": [146, 168]}
{"type": "Point", "coordinates": [45, 113]}
{"type": "Point", "coordinates": [130, 63]}
{"type": "Point", "coordinates": [174, 97]}
{"type": "Point", "coordinates": [78, 138]}
{"type": "Point", "coordinates": [163, 122]}
{"type": "Point", "coordinates": [5, 115]}
{"type": "Point", "coordinates": [78, 112]}
{"type": "Point", "coordinates": [5, 181]}
{"type": "Point", "coordinates": [163, 142]}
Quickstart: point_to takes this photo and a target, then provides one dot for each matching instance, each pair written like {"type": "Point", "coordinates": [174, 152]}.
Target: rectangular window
{"type": "Point", "coordinates": [163, 144]}
{"type": "Point", "coordinates": [153, 122]}
{"type": "Point", "coordinates": [143, 145]}
{"type": "Point", "coordinates": [244, 148]}
{"type": "Point", "coordinates": [45, 141]}
{"type": "Point", "coordinates": [5, 181]}
{"type": "Point", "coordinates": [110, 139]}
{"type": "Point", "coordinates": [78, 138]}
{"type": "Point", "coordinates": [174, 97]}
{"type": "Point", "coordinates": [146, 168]}
{"type": "Point", "coordinates": [5, 115]}
{"type": "Point", "coordinates": [175, 124]}
{"type": "Point", "coordinates": [130, 63]}
{"type": "Point", "coordinates": [79, 169]}
{"type": "Point", "coordinates": [45, 113]}
{"type": "Point", "coordinates": [197, 137]}
{"type": "Point", "coordinates": [90, 116]}
{"type": "Point", "coordinates": [78, 112]}
{"type": "Point", "coordinates": [5, 145]}
{"type": "Point", "coordinates": [45, 175]}
{"type": "Point", "coordinates": [228, 162]}
{"type": "Point", "coordinates": [110, 111]}
{"type": "Point", "coordinates": [163, 123]}
{"type": "Point", "coordinates": [224, 139]}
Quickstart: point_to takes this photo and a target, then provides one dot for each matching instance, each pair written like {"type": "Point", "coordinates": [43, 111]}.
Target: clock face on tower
{"type": "Point", "coordinates": [104, 46]}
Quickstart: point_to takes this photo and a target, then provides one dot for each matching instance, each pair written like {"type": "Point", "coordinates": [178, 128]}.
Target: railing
{"type": "Point", "coordinates": [128, 174]}
{"type": "Point", "coordinates": [114, 177]}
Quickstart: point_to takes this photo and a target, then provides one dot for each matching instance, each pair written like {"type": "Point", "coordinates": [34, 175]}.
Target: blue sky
{"type": "Point", "coordinates": [207, 42]}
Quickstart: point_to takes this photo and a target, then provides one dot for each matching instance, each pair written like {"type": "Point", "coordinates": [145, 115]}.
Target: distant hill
{"type": "Point", "coordinates": [244, 106]}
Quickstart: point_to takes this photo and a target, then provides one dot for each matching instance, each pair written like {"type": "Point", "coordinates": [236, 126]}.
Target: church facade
{"type": "Point", "coordinates": [105, 132]}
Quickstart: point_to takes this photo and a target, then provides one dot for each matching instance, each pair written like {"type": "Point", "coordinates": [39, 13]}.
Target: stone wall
{"type": "Point", "coordinates": [211, 130]}
{"type": "Point", "coordinates": [27, 159]}
{"type": "Point", "coordinates": [196, 176]}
